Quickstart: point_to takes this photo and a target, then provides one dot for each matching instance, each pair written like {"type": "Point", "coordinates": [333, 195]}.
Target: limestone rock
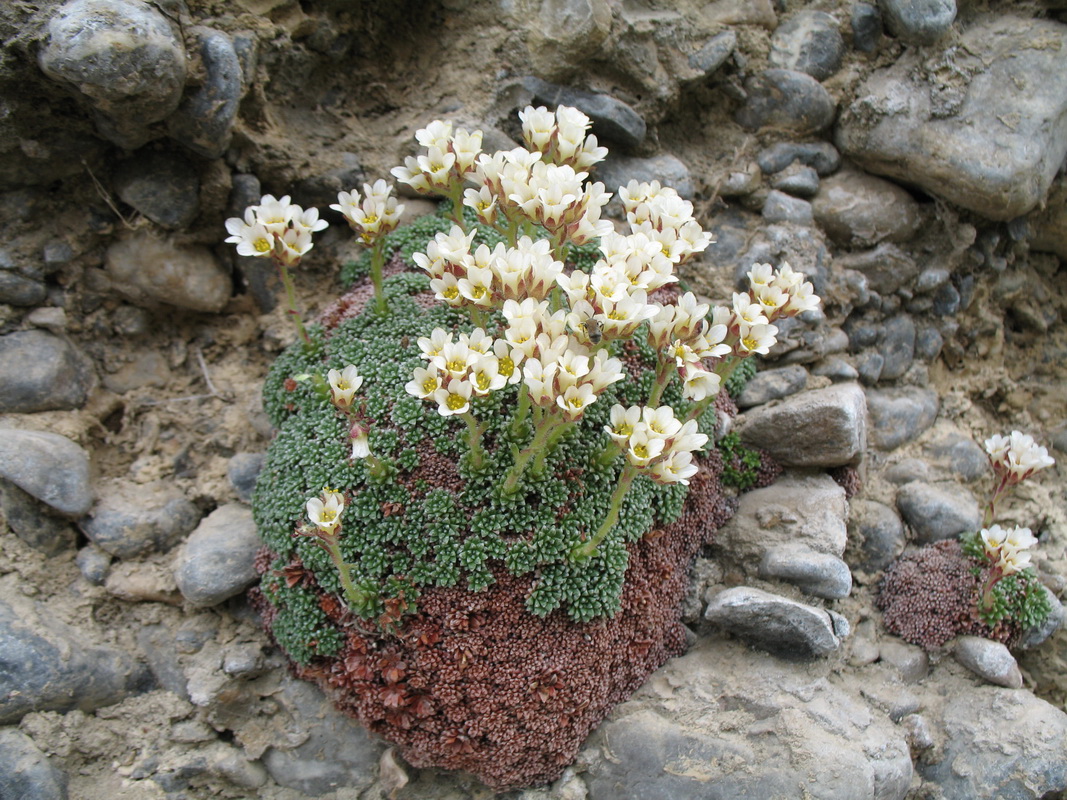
{"type": "Point", "coordinates": [216, 561]}
{"type": "Point", "coordinates": [776, 624]}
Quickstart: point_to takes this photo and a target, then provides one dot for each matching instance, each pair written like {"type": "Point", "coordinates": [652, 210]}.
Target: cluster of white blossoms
{"type": "Point", "coordinates": [561, 136]}
{"type": "Point", "coordinates": [277, 228]}
{"type": "Point", "coordinates": [1008, 548]}
{"type": "Point", "coordinates": [449, 159]}
{"type": "Point", "coordinates": [774, 294]}
{"type": "Point", "coordinates": [1016, 457]}
{"type": "Point", "coordinates": [656, 442]}
{"type": "Point", "coordinates": [374, 214]}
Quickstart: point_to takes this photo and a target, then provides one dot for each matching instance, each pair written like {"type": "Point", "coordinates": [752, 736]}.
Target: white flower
{"type": "Point", "coordinates": [250, 236]}
{"type": "Point", "coordinates": [292, 245]}
{"type": "Point", "coordinates": [484, 203]}
{"type": "Point", "coordinates": [623, 422]}
{"type": "Point", "coordinates": [760, 275]}
{"type": "Point", "coordinates": [275, 214]}
{"type": "Point", "coordinates": [678, 467]}
{"type": "Point", "coordinates": [455, 398]}
{"type": "Point", "coordinates": [539, 379]}
{"type": "Point", "coordinates": [325, 512]}
{"type": "Point", "coordinates": [575, 399]}
{"type": "Point", "coordinates": [360, 441]}
{"type": "Point", "coordinates": [343, 385]}
{"type": "Point", "coordinates": [661, 421]}
{"type": "Point", "coordinates": [997, 447]}
{"type": "Point", "coordinates": [689, 438]}
{"type": "Point", "coordinates": [508, 360]}
{"type": "Point", "coordinates": [485, 375]}
{"type": "Point", "coordinates": [309, 219]}
{"type": "Point", "coordinates": [1025, 456]}
{"type": "Point", "coordinates": [433, 344]}
{"type": "Point", "coordinates": [756, 339]}
{"type": "Point", "coordinates": [1020, 539]}
{"type": "Point", "coordinates": [643, 447]}
{"type": "Point", "coordinates": [700, 384]}
{"type": "Point", "coordinates": [455, 359]}
{"type": "Point", "coordinates": [1012, 561]}
{"type": "Point", "coordinates": [424, 383]}
{"type": "Point", "coordinates": [993, 538]}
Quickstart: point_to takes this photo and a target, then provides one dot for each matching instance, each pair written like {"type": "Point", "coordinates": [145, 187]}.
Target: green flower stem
{"type": "Point", "coordinates": [519, 420]}
{"type": "Point", "coordinates": [354, 597]}
{"type": "Point", "coordinates": [376, 468]}
{"type": "Point", "coordinates": [455, 194]}
{"type": "Point", "coordinates": [553, 439]}
{"type": "Point", "coordinates": [587, 550]}
{"type": "Point", "coordinates": [991, 507]}
{"type": "Point", "coordinates": [475, 432]}
{"type": "Point", "coordinates": [377, 262]}
{"type": "Point", "coordinates": [290, 296]}
{"type": "Point", "coordinates": [665, 370]}
{"type": "Point", "coordinates": [609, 453]}
{"type": "Point", "coordinates": [538, 445]}
{"type": "Point", "coordinates": [479, 318]}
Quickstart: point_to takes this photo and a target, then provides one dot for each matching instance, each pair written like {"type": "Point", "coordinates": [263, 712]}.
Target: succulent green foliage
{"type": "Point", "coordinates": [1017, 598]}
{"type": "Point", "coordinates": [742, 374]}
{"type": "Point", "coordinates": [740, 464]}
{"type": "Point", "coordinates": [416, 529]}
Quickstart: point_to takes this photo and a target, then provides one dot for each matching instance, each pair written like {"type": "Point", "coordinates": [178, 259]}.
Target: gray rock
{"type": "Point", "coordinates": [150, 270]}
{"type": "Point", "coordinates": [886, 267]}
{"type": "Point", "coordinates": [124, 59]}
{"type": "Point", "coordinates": [836, 369]}
{"type": "Point", "coordinates": [817, 574]}
{"type": "Point", "coordinates": [828, 427]}
{"type": "Point", "coordinates": [910, 661]}
{"type": "Point", "coordinates": [899, 415]}
{"type": "Point", "coordinates": [763, 736]}
{"type": "Point", "coordinates": [242, 471]}
{"type": "Point", "coordinates": [877, 533]}
{"type": "Point", "coordinates": [45, 665]}
{"type": "Point", "coordinates": [928, 343]}
{"type": "Point", "coordinates": [204, 120]}
{"type": "Point", "coordinates": [989, 660]}
{"type": "Point", "coordinates": [947, 301]}
{"type": "Point", "coordinates": [797, 509]}
{"type": "Point", "coordinates": [94, 564]}
{"type": "Point", "coordinates": [42, 372]}
{"type": "Point", "coordinates": [820, 156]}
{"type": "Point", "coordinates": [809, 42]}
{"type": "Point", "coordinates": [29, 521]}
{"type": "Point", "coordinates": [334, 751]}
{"type": "Point", "coordinates": [665, 168]}
{"type": "Point", "coordinates": [774, 623]}
{"type": "Point", "coordinates": [25, 771]}
{"type": "Point", "coordinates": [906, 471]}
{"type": "Point", "coordinates": [611, 119]}
{"type": "Point", "coordinates": [935, 513]}
{"type": "Point", "coordinates": [918, 21]}
{"type": "Point", "coordinates": [773, 384]}
{"type": "Point", "coordinates": [866, 22]}
{"type": "Point", "coordinates": [961, 454]}
{"type": "Point", "coordinates": [162, 186]}
{"type": "Point", "coordinates": [216, 561]}
{"type": "Point", "coordinates": [47, 466]}
{"type": "Point", "coordinates": [781, 207]}
{"type": "Point", "coordinates": [787, 100]}
{"type": "Point", "coordinates": [1002, 743]}
{"type": "Point", "coordinates": [950, 138]}
{"type": "Point", "coordinates": [1048, 225]}
{"type": "Point", "coordinates": [870, 366]}
{"type": "Point", "coordinates": [1032, 637]}
{"type": "Point", "coordinates": [713, 53]}
{"type": "Point", "coordinates": [798, 180]}
{"type": "Point", "coordinates": [563, 33]}
{"type": "Point", "coordinates": [930, 279]}
{"type": "Point", "coordinates": [897, 346]}
{"type": "Point", "coordinates": [18, 290]}
{"type": "Point", "coordinates": [161, 652]}
{"type": "Point", "coordinates": [861, 210]}
{"type": "Point", "coordinates": [131, 519]}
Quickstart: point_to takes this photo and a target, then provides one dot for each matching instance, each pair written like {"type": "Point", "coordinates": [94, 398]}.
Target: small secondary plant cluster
{"type": "Point", "coordinates": [545, 413]}
{"type": "Point", "coordinates": [983, 584]}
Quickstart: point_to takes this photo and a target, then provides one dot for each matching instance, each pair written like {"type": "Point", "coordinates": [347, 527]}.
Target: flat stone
{"type": "Point", "coordinates": [918, 22]}
{"type": "Point", "coordinates": [877, 533]}
{"type": "Point", "coordinates": [42, 372]}
{"type": "Point", "coordinates": [47, 466]}
{"type": "Point", "coordinates": [123, 59]}
{"type": "Point", "coordinates": [897, 347]}
{"type": "Point", "coordinates": [151, 270]}
{"type": "Point", "coordinates": [907, 470]}
{"type": "Point", "coordinates": [989, 660]}
{"type": "Point", "coordinates": [798, 180]}
{"type": "Point", "coordinates": [886, 267]}
{"type": "Point", "coordinates": [787, 100]}
{"type": "Point", "coordinates": [773, 384]}
{"type": "Point", "coordinates": [836, 369]}
{"type": "Point", "coordinates": [991, 151]}
{"type": "Point", "coordinates": [808, 42]}
{"type": "Point", "coordinates": [781, 207]}
{"type": "Point", "coordinates": [145, 368]}
{"type": "Point", "coordinates": [828, 427]}
{"type": "Point", "coordinates": [616, 171]}
{"type": "Point", "coordinates": [29, 520]}
{"type": "Point", "coordinates": [18, 290]}
{"type": "Point", "coordinates": [163, 186]}
{"type": "Point", "coordinates": [334, 750]}
{"type": "Point", "coordinates": [754, 727]}
{"type": "Point", "coordinates": [25, 771]}
{"type": "Point", "coordinates": [45, 665]}
{"type": "Point", "coordinates": [774, 623]}
{"type": "Point", "coordinates": [204, 120]}
{"type": "Point", "coordinates": [612, 120]}
{"type": "Point", "coordinates": [935, 513]}
{"type": "Point", "coordinates": [713, 53]}
{"type": "Point", "coordinates": [899, 415]}
{"type": "Point", "coordinates": [1002, 743]}
{"type": "Point", "coordinates": [142, 582]}
{"type": "Point", "coordinates": [131, 519]}
{"type": "Point", "coordinates": [797, 509]}
{"type": "Point", "coordinates": [861, 210]}
{"type": "Point", "coordinates": [817, 574]}
{"type": "Point", "coordinates": [217, 560]}
{"type": "Point", "coordinates": [823, 157]}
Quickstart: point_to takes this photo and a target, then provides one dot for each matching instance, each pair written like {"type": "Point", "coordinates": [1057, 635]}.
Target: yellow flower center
{"type": "Point", "coordinates": [370, 219]}
{"type": "Point", "coordinates": [506, 367]}
{"type": "Point", "coordinates": [750, 343]}
{"type": "Point", "coordinates": [456, 401]}
{"type": "Point", "coordinates": [456, 365]}
{"type": "Point", "coordinates": [477, 292]}
{"type": "Point", "coordinates": [451, 293]}
{"type": "Point", "coordinates": [429, 385]}
{"type": "Point", "coordinates": [342, 385]}
{"type": "Point", "coordinates": [482, 380]}
{"type": "Point", "coordinates": [575, 402]}
{"type": "Point", "coordinates": [616, 314]}
{"type": "Point", "coordinates": [261, 245]}
{"type": "Point", "coordinates": [328, 515]}
{"type": "Point", "coordinates": [641, 451]}
{"type": "Point", "coordinates": [624, 430]}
